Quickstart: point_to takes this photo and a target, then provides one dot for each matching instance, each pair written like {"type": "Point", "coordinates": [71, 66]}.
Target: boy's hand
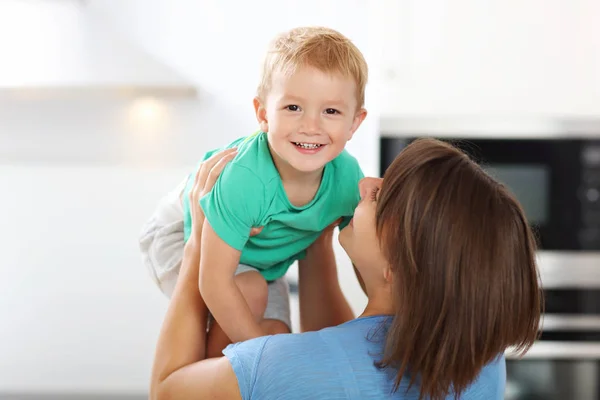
{"type": "Point", "coordinates": [255, 231]}
{"type": "Point", "coordinates": [326, 236]}
{"type": "Point", "coordinates": [329, 230]}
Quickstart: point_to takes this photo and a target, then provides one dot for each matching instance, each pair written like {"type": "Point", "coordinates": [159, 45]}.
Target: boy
{"type": "Point", "coordinates": [287, 183]}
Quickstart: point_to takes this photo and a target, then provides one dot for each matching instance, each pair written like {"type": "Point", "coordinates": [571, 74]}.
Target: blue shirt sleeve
{"type": "Point", "coordinates": [244, 358]}
{"type": "Point", "coordinates": [234, 205]}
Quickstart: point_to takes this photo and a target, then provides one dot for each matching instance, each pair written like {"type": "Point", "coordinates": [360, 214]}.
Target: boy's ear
{"type": "Point", "coordinates": [359, 117]}
{"type": "Point", "coordinates": [261, 115]}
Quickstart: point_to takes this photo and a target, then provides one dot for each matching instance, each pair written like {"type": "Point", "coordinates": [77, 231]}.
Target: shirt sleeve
{"type": "Point", "coordinates": [355, 196]}
{"type": "Point", "coordinates": [244, 358]}
{"type": "Point", "coordinates": [234, 205]}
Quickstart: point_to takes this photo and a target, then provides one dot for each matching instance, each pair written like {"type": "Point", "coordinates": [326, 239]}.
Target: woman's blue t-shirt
{"type": "Point", "coordinates": [335, 363]}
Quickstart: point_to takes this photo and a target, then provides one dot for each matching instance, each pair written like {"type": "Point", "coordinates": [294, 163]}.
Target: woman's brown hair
{"type": "Point", "coordinates": [466, 285]}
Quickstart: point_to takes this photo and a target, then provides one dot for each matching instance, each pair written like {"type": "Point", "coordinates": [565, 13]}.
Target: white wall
{"type": "Point", "coordinates": [220, 44]}
{"type": "Point", "coordinates": [78, 179]}
{"type": "Point", "coordinates": [512, 58]}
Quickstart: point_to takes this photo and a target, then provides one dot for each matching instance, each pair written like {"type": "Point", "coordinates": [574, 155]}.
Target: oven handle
{"type": "Point", "coordinates": [562, 322]}
{"type": "Point", "coordinates": [559, 351]}
{"type": "Point", "coordinates": [565, 270]}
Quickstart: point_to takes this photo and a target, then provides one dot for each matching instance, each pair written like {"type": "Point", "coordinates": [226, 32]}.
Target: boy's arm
{"type": "Point", "coordinates": [219, 290]}
{"type": "Point", "coordinates": [322, 302]}
{"type": "Point", "coordinates": [230, 216]}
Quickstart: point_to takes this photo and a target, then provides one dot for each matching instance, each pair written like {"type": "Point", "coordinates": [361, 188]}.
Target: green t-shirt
{"type": "Point", "coordinates": [249, 193]}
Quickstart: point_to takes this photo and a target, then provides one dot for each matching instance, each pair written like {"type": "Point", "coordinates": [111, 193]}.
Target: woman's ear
{"type": "Point", "coordinates": [388, 275]}
{"type": "Point", "coordinates": [261, 115]}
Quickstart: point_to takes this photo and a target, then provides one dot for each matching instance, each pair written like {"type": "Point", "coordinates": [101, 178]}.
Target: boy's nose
{"type": "Point", "coordinates": [311, 125]}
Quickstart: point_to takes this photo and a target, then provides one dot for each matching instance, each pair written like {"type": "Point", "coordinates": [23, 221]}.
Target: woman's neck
{"type": "Point", "coordinates": [378, 304]}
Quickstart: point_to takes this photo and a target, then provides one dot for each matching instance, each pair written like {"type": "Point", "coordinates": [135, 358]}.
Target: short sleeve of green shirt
{"type": "Point", "coordinates": [234, 205]}
{"type": "Point", "coordinates": [358, 176]}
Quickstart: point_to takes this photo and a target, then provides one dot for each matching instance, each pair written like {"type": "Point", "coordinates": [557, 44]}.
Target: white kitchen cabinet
{"type": "Point", "coordinates": [468, 57]}
{"type": "Point", "coordinates": [79, 311]}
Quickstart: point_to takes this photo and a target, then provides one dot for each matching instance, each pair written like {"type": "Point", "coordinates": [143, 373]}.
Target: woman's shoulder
{"type": "Point", "coordinates": [352, 341]}
{"type": "Point", "coordinates": [278, 366]}
{"type": "Point", "coordinates": [490, 383]}
{"type": "Point", "coordinates": [319, 344]}
{"type": "Point", "coordinates": [356, 346]}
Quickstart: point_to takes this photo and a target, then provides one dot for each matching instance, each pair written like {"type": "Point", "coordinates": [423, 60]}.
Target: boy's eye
{"type": "Point", "coordinates": [331, 111]}
{"type": "Point", "coordinates": [292, 107]}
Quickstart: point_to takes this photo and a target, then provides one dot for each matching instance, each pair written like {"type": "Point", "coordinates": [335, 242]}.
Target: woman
{"type": "Point", "coordinates": [447, 261]}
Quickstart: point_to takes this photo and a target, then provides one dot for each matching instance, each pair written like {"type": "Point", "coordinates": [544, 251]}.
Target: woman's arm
{"type": "Point", "coordinates": [367, 186]}
{"type": "Point", "coordinates": [322, 303]}
{"type": "Point", "coordinates": [179, 370]}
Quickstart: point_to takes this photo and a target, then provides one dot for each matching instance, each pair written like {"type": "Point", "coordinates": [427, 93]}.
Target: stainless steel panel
{"type": "Point", "coordinates": [555, 322]}
{"type": "Point", "coordinates": [559, 351]}
{"type": "Point", "coordinates": [490, 127]}
{"type": "Point", "coordinates": [569, 269]}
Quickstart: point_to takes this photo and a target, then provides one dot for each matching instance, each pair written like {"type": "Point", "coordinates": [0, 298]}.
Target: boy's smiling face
{"type": "Point", "coordinates": [309, 116]}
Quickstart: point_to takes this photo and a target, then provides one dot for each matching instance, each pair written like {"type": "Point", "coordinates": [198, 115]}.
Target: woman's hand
{"type": "Point", "coordinates": [368, 185]}
{"type": "Point", "coordinates": [205, 179]}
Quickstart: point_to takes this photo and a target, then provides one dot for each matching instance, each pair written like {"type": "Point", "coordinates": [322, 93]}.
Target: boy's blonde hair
{"type": "Point", "coordinates": [322, 48]}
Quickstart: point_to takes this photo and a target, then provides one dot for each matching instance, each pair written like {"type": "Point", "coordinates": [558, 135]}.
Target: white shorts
{"type": "Point", "coordinates": [162, 243]}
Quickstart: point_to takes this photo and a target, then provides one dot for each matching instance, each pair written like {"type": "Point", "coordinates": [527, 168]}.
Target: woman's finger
{"type": "Point", "coordinates": [205, 168]}
{"type": "Point", "coordinates": [368, 185]}
{"type": "Point", "coordinates": [216, 171]}
{"type": "Point", "coordinates": [197, 180]}
{"type": "Point", "coordinates": [215, 158]}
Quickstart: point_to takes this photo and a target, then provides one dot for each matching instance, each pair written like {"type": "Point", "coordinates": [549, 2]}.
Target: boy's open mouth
{"type": "Point", "coordinates": [308, 145]}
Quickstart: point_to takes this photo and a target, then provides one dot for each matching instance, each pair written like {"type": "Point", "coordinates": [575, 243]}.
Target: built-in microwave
{"type": "Point", "coordinates": [556, 180]}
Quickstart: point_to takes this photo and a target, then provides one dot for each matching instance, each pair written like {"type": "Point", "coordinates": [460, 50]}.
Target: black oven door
{"type": "Point", "coordinates": [554, 376]}
{"type": "Point", "coordinates": [546, 175]}
{"type": "Point", "coordinates": [565, 362]}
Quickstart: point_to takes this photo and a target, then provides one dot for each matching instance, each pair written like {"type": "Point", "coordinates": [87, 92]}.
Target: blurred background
{"type": "Point", "coordinates": [105, 105]}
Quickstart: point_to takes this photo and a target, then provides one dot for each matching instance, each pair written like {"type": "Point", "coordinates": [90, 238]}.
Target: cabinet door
{"type": "Point", "coordinates": [440, 57]}
{"type": "Point", "coordinates": [79, 310]}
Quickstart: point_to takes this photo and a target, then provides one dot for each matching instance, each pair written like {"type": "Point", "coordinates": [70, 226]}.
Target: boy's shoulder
{"type": "Point", "coordinates": [346, 166]}
{"type": "Point", "coordinates": [254, 156]}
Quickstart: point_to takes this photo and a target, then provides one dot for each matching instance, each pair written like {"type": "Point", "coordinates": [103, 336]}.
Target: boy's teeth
{"type": "Point", "coordinates": [307, 145]}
